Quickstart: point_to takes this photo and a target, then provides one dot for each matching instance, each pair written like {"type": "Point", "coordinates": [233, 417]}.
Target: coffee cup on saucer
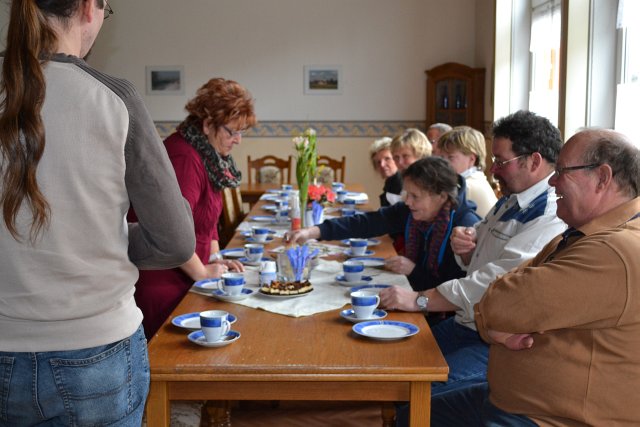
{"type": "Point", "coordinates": [214, 324]}
{"type": "Point", "coordinates": [253, 251]}
{"type": "Point", "coordinates": [353, 270]}
{"type": "Point", "coordinates": [231, 283]}
{"type": "Point", "coordinates": [260, 234]}
{"type": "Point", "coordinates": [364, 303]}
{"type": "Point", "coordinates": [358, 246]}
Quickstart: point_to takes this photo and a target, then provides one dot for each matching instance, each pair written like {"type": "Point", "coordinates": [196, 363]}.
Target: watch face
{"type": "Point", "coordinates": [422, 301]}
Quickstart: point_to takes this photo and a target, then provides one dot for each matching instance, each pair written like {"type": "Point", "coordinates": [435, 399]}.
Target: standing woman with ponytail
{"type": "Point", "coordinates": [76, 147]}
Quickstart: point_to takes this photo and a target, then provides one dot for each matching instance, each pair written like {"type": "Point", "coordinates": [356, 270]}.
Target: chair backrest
{"type": "Point", "coordinates": [232, 215]}
{"type": "Point", "coordinates": [270, 169]}
{"type": "Point", "coordinates": [332, 169]}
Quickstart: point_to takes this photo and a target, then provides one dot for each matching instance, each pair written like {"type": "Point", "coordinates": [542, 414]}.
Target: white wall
{"type": "Point", "coordinates": [383, 47]}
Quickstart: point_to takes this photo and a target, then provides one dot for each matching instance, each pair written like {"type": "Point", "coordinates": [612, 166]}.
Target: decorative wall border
{"type": "Point", "coordinates": [331, 129]}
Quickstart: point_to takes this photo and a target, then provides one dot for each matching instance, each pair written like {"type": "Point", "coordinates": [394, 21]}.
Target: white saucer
{"type": "Point", "coordinates": [370, 261]}
{"type": "Point", "coordinates": [374, 288]}
{"type": "Point", "coordinates": [350, 315]}
{"type": "Point", "coordinates": [232, 253]}
{"type": "Point", "coordinates": [263, 218]}
{"type": "Point", "coordinates": [191, 321]}
{"type": "Point", "coordinates": [207, 285]}
{"type": "Point", "coordinates": [385, 330]}
{"type": "Point", "coordinates": [198, 338]}
{"type": "Point", "coordinates": [251, 239]}
{"type": "Point", "coordinates": [371, 242]}
{"type": "Point", "coordinates": [246, 293]}
{"type": "Point", "coordinates": [340, 279]}
{"type": "Point", "coordinates": [367, 253]}
{"type": "Point", "coordinates": [245, 261]}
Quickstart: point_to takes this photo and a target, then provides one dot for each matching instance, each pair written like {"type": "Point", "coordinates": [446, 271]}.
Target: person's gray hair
{"type": "Point", "coordinates": [616, 150]}
{"type": "Point", "coordinates": [441, 127]}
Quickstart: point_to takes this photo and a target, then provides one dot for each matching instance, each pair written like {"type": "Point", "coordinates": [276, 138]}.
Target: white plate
{"type": "Point", "coordinates": [375, 288]}
{"type": "Point", "coordinates": [206, 285]}
{"type": "Point", "coordinates": [191, 321]}
{"type": "Point", "coordinates": [284, 296]}
{"type": "Point", "coordinates": [253, 240]}
{"type": "Point", "coordinates": [370, 261]}
{"type": "Point", "coordinates": [340, 279]}
{"type": "Point", "coordinates": [245, 261]}
{"type": "Point", "coordinates": [368, 252]}
{"type": "Point", "coordinates": [263, 218]}
{"type": "Point", "coordinates": [248, 233]}
{"type": "Point", "coordinates": [273, 208]}
{"type": "Point", "coordinates": [270, 197]}
{"type": "Point", "coordinates": [198, 338]}
{"type": "Point", "coordinates": [232, 253]}
{"type": "Point", "coordinates": [350, 315]}
{"type": "Point", "coordinates": [246, 293]}
{"type": "Point", "coordinates": [372, 242]}
{"type": "Point", "coordinates": [385, 330]}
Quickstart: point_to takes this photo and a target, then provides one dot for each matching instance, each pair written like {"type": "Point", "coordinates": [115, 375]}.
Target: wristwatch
{"type": "Point", "coordinates": [422, 302]}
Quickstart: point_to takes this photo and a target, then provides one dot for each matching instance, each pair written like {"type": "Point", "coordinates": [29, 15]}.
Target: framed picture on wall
{"type": "Point", "coordinates": [323, 79]}
{"type": "Point", "coordinates": [165, 80]}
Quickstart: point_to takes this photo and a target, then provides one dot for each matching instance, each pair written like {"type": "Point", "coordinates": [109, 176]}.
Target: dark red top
{"type": "Point", "coordinates": [158, 292]}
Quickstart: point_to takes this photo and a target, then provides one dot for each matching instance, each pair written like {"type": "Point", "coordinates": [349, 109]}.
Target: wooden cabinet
{"type": "Point", "coordinates": [455, 95]}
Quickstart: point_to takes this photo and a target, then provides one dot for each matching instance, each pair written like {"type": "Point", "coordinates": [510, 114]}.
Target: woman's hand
{"type": "Point", "coordinates": [396, 298]}
{"type": "Point", "coordinates": [230, 264]}
{"type": "Point", "coordinates": [400, 265]}
{"type": "Point", "coordinates": [302, 235]}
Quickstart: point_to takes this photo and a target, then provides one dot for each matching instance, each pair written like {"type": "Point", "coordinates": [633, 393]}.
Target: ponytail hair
{"type": "Point", "coordinates": [30, 43]}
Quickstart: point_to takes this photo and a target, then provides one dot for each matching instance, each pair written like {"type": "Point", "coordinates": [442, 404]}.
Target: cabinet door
{"type": "Point", "coordinates": [455, 95]}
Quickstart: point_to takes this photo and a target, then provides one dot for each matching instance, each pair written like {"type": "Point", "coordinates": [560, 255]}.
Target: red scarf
{"type": "Point", "coordinates": [419, 233]}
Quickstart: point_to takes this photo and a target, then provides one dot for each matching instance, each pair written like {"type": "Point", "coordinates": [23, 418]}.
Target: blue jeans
{"type": "Point", "coordinates": [98, 386]}
{"type": "Point", "coordinates": [471, 407]}
{"type": "Point", "coordinates": [467, 356]}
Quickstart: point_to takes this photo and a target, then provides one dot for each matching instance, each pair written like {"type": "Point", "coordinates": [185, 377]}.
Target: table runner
{"type": "Point", "coordinates": [327, 295]}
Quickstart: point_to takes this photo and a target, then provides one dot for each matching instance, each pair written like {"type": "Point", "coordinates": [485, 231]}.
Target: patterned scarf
{"type": "Point", "coordinates": [417, 236]}
{"type": "Point", "coordinates": [222, 171]}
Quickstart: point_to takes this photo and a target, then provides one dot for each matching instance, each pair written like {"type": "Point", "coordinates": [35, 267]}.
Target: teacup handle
{"type": "Point", "coordinates": [220, 285]}
{"type": "Point", "coordinates": [226, 327]}
{"type": "Point", "coordinates": [377, 300]}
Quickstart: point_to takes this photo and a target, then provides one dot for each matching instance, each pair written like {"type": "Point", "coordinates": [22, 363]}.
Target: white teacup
{"type": "Point", "coordinates": [253, 251]}
{"type": "Point", "coordinates": [214, 324]}
{"type": "Point", "coordinates": [364, 303]}
{"type": "Point", "coordinates": [353, 270]}
{"type": "Point", "coordinates": [358, 246]}
{"type": "Point", "coordinates": [231, 283]}
{"type": "Point", "coordinates": [260, 234]}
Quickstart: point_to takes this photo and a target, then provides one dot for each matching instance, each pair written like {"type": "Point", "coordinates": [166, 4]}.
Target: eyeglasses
{"type": "Point", "coordinates": [233, 133]}
{"type": "Point", "coordinates": [107, 10]}
{"type": "Point", "coordinates": [499, 164]}
{"type": "Point", "coordinates": [560, 171]}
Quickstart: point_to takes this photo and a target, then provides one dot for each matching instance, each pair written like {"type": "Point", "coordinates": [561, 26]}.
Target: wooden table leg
{"type": "Point", "coordinates": [420, 405]}
{"type": "Point", "coordinates": [158, 407]}
{"type": "Point", "coordinates": [388, 414]}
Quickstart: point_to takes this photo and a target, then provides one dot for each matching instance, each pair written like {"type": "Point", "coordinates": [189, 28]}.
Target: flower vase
{"type": "Point", "coordinates": [308, 218]}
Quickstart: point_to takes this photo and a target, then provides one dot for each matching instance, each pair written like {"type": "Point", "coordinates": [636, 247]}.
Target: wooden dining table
{"type": "Point", "coordinates": [278, 357]}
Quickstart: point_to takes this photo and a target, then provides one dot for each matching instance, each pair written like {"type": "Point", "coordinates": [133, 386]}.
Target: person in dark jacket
{"type": "Point", "coordinates": [435, 202]}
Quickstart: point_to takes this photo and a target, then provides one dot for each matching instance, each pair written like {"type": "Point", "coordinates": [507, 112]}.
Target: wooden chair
{"type": "Point", "coordinates": [262, 165]}
{"type": "Point", "coordinates": [232, 215]}
{"type": "Point", "coordinates": [336, 167]}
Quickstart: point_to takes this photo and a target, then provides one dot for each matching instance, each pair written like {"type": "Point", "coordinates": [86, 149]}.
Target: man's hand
{"type": "Point", "coordinates": [396, 298]}
{"type": "Point", "coordinates": [302, 235]}
{"type": "Point", "coordinates": [463, 242]}
{"type": "Point", "coordinates": [400, 265]}
{"type": "Point", "coordinates": [512, 341]}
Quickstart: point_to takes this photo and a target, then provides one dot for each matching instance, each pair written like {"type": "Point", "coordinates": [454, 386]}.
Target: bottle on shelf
{"type": "Point", "coordinates": [445, 98]}
{"type": "Point", "coordinates": [296, 219]}
{"type": "Point", "coordinates": [458, 102]}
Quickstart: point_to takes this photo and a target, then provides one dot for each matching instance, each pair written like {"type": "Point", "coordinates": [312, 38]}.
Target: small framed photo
{"type": "Point", "coordinates": [165, 80]}
{"type": "Point", "coordinates": [323, 79]}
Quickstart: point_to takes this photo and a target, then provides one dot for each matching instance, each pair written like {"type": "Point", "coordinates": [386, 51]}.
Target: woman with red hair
{"type": "Point", "coordinates": [200, 151]}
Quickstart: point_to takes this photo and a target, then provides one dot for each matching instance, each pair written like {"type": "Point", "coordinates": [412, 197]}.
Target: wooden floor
{"type": "Point", "coordinates": [286, 414]}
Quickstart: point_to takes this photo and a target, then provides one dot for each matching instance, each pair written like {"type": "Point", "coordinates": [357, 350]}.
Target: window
{"type": "Point", "coordinates": [628, 88]}
{"type": "Point", "coordinates": [545, 58]}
